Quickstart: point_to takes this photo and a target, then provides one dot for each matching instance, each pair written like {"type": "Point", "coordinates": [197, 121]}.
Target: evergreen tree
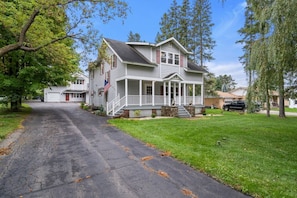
{"type": "Point", "coordinates": [201, 43]}
{"type": "Point", "coordinates": [133, 37]}
{"type": "Point", "coordinates": [250, 32]}
{"type": "Point", "coordinates": [184, 24]}
{"type": "Point", "coordinates": [170, 23]}
{"type": "Point", "coordinates": [225, 83]}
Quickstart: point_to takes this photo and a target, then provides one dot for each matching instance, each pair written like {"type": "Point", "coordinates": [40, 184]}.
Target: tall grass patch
{"type": "Point", "coordinates": [252, 153]}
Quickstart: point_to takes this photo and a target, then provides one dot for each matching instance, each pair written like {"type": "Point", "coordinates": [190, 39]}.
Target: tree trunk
{"type": "Point", "coordinates": [14, 106]}
{"type": "Point", "coordinates": [281, 95]}
{"type": "Point", "coordinates": [267, 102]}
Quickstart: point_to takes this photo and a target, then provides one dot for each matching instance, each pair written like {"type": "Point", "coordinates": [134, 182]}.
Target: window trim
{"type": "Point", "coordinates": [170, 58]}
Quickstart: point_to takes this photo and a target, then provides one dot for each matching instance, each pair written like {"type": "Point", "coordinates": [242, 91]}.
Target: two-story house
{"type": "Point", "coordinates": [145, 77]}
{"type": "Point", "coordinates": [76, 91]}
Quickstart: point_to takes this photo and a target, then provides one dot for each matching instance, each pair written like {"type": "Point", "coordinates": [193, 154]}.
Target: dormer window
{"type": "Point", "coordinates": [169, 58]}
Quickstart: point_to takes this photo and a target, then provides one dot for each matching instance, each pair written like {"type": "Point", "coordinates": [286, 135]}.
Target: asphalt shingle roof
{"type": "Point", "coordinates": [128, 53]}
{"type": "Point", "coordinates": [195, 67]}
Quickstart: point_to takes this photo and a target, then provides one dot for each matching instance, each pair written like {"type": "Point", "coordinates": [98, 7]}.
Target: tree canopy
{"type": "Point", "coordinates": [39, 40]}
{"type": "Point", "coordinates": [269, 38]}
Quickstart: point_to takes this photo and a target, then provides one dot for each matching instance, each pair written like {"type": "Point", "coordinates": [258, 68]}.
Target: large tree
{"type": "Point", "coordinates": [169, 25]}
{"type": "Point", "coordinates": [225, 83]}
{"type": "Point", "coordinates": [274, 51]}
{"type": "Point", "coordinates": [202, 42]}
{"type": "Point", "coordinates": [37, 40]}
{"type": "Point", "coordinates": [29, 21]}
{"type": "Point", "coordinates": [133, 37]}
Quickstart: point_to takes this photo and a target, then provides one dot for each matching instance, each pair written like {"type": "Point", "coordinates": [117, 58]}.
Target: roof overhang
{"type": "Point", "coordinates": [75, 91]}
{"type": "Point", "coordinates": [194, 71]}
{"type": "Point", "coordinates": [172, 39]}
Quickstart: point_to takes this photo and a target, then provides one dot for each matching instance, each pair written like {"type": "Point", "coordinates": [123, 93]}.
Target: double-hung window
{"type": "Point", "coordinates": [169, 58]}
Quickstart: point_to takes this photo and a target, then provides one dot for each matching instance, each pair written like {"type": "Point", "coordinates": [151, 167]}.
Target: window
{"type": "Point", "coordinates": [149, 90]}
{"type": "Point", "coordinates": [170, 58]}
{"type": "Point", "coordinates": [113, 63]}
{"type": "Point", "coordinates": [163, 57]}
{"type": "Point", "coordinates": [78, 82]}
{"type": "Point", "coordinates": [176, 59]}
{"type": "Point", "coordinates": [102, 68]}
{"type": "Point", "coordinates": [78, 95]}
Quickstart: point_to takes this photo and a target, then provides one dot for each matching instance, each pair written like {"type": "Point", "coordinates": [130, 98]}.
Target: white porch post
{"type": "Point", "coordinates": [140, 92]}
{"type": "Point", "coordinates": [185, 94]}
{"type": "Point", "coordinates": [164, 92]}
{"type": "Point", "coordinates": [202, 94]}
{"type": "Point", "coordinates": [153, 94]}
{"type": "Point", "coordinates": [174, 93]}
{"type": "Point", "coordinates": [179, 93]}
{"type": "Point", "coordinates": [126, 91]}
{"type": "Point", "coordinates": [169, 93]}
{"type": "Point", "coordinates": [194, 102]}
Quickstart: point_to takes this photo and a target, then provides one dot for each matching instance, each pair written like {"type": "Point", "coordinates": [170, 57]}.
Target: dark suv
{"type": "Point", "coordinates": [235, 105]}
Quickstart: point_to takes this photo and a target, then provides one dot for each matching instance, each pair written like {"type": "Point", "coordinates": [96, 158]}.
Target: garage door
{"type": "Point", "coordinates": [53, 97]}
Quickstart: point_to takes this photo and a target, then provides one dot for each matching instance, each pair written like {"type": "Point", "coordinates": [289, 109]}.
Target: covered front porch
{"type": "Point", "coordinates": [171, 91]}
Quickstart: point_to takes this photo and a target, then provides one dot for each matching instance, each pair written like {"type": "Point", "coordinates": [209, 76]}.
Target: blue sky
{"type": "Point", "coordinates": [228, 18]}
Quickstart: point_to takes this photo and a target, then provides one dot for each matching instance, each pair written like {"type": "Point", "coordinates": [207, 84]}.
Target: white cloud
{"type": "Point", "coordinates": [235, 69]}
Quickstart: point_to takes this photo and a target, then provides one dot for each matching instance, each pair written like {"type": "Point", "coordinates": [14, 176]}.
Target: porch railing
{"type": "Point", "coordinates": [115, 105]}
{"type": "Point", "coordinates": [158, 100]}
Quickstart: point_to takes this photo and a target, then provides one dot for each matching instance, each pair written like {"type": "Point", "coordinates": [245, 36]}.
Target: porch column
{"type": "Point", "coordinates": [202, 94]}
{"type": "Point", "coordinates": [194, 102]}
{"type": "Point", "coordinates": [153, 94]}
{"type": "Point", "coordinates": [185, 94]}
{"type": "Point", "coordinates": [169, 93]}
{"type": "Point", "coordinates": [179, 93]}
{"type": "Point", "coordinates": [126, 91]}
{"type": "Point", "coordinates": [174, 93]}
{"type": "Point", "coordinates": [140, 92]}
{"type": "Point", "coordinates": [164, 92]}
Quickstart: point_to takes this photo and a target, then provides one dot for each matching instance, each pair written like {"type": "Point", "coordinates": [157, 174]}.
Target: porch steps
{"type": "Point", "coordinates": [182, 112]}
{"type": "Point", "coordinates": [119, 113]}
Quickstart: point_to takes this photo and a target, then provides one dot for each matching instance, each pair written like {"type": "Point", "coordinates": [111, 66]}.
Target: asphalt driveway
{"type": "Point", "coordinates": [67, 152]}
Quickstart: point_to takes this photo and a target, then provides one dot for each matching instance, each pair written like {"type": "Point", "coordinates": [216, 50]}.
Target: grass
{"type": "Point", "coordinates": [250, 152]}
{"type": "Point", "coordinates": [294, 110]}
{"type": "Point", "coordinates": [10, 121]}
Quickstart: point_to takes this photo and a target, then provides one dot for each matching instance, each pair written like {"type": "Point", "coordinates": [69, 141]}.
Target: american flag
{"type": "Point", "coordinates": [106, 86]}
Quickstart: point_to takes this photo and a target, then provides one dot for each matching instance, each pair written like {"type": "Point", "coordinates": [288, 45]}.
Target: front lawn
{"type": "Point", "coordinates": [287, 109]}
{"type": "Point", "coordinates": [10, 121]}
{"type": "Point", "coordinates": [250, 152]}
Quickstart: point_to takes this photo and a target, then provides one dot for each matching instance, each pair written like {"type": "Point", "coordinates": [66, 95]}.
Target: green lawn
{"type": "Point", "coordinates": [10, 121]}
{"type": "Point", "coordinates": [286, 109]}
{"type": "Point", "coordinates": [252, 153]}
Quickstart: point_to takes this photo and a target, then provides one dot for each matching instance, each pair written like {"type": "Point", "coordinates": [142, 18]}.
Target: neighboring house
{"type": "Point", "coordinates": [76, 91]}
{"type": "Point", "coordinates": [221, 98]}
{"type": "Point", "coordinates": [274, 101]}
{"type": "Point", "coordinates": [240, 92]}
{"type": "Point", "coordinates": [292, 103]}
{"type": "Point", "coordinates": [143, 77]}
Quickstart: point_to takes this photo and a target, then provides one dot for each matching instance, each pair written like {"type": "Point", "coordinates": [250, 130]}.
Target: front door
{"type": "Point", "coordinates": [67, 96]}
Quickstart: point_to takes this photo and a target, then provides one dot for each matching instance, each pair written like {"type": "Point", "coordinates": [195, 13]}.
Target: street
{"type": "Point", "coordinates": [68, 152]}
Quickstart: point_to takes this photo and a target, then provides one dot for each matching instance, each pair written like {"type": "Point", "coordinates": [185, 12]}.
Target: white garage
{"type": "Point", "coordinates": [53, 97]}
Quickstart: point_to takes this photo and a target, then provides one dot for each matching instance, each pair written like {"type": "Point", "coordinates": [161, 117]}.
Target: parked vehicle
{"type": "Point", "coordinates": [234, 105]}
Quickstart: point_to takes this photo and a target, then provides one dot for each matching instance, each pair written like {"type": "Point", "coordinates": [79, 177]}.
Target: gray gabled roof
{"type": "Point", "coordinates": [196, 68]}
{"type": "Point", "coordinates": [128, 54]}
